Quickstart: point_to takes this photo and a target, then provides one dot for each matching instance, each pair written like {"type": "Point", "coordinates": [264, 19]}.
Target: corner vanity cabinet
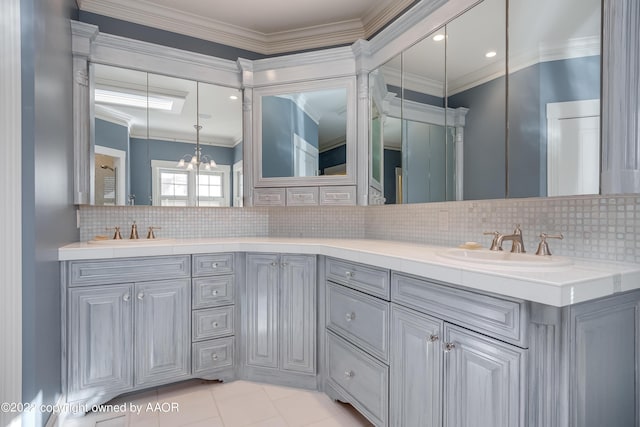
{"type": "Point", "coordinates": [280, 322]}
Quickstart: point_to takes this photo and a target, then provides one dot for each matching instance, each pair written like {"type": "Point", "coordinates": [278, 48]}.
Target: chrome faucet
{"type": "Point", "coordinates": [517, 245]}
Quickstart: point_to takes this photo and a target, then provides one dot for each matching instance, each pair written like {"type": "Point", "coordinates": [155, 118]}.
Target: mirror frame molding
{"type": "Point", "coordinates": [348, 83]}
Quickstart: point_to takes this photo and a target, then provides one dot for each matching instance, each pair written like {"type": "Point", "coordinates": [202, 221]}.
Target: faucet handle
{"type": "Point", "coordinates": [543, 247]}
{"type": "Point", "coordinates": [517, 230]}
{"type": "Point", "coordinates": [494, 243]}
{"type": "Point", "coordinates": [116, 234]}
{"type": "Point", "coordinates": [151, 234]}
{"type": "Point", "coordinates": [134, 231]}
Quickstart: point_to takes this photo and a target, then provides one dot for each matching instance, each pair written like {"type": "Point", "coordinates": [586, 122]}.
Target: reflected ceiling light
{"type": "Point", "coordinates": [233, 97]}
{"type": "Point", "coordinates": [189, 161]}
{"type": "Point", "coordinates": [438, 37]}
{"type": "Point", "coordinates": [490, 54]}
{"type": "Point", "coordinates": [132, 100]}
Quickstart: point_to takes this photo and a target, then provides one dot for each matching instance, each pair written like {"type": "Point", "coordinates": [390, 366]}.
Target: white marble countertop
{"type": "Point", "coordinates": [583, 280]}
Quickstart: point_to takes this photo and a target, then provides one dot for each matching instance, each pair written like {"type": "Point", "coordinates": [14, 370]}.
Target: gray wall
{"type": "Point", "coordinates": [47, 191]}
{"type": "Point", "coordinates": [145, 150]}
{"type": "Point", "coordinates": [114, 136]}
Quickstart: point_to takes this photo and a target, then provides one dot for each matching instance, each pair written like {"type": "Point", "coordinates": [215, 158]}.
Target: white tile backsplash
{"type": "Point", "coordinates": [599, 227]}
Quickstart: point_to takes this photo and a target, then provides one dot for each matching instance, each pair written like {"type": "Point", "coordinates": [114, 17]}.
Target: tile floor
{"type": "Point", "coordinates": [200, 403]}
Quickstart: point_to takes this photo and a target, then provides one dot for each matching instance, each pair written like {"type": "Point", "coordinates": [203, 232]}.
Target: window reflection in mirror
{"type": "Point", "coordinates": [304, 134]}
{"type": "Point", "coordinates": [180, 138]}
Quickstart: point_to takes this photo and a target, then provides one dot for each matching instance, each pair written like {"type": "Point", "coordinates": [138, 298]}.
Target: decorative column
{"type": "Point", "coordinates": [459, 122]}
{"type": "Point", "coordinates": [246, 67]}
{"type": "Point", "coordinates": [361, 52]}
{"type": "Point", "coordinates": [82, 35]}
{"type": "Point", "coordinates": [621, 97]}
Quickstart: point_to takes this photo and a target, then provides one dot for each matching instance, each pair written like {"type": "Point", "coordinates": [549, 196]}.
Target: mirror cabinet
{"type": "Point", "coordinates": [458, 100]}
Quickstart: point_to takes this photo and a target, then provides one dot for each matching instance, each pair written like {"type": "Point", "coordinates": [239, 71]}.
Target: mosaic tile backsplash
{"type": "Point", "coordinates": [600, 227]}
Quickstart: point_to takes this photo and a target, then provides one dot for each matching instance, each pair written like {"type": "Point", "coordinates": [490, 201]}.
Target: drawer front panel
{"type": "Point", "coordinates": [212, 264]}
{"type": "Point", "coordinates": [374, 281]}
{"type": "Point", "coordinates": [359, 318]}
{"type": "Point", "coordinates": [302, 196]}
{"type": "Point", "coordinates": [269, 197]}
{"type": "Point", "coordinates": [343, 195]}
{"type": "Point", "coordinates": [212, 323]}
{"type": "Point", "coordinates": [496, 317]}
{"type": "Point", "coordinates": [212, 291]}
{"type": "Point", "coordinates": [127, 270]}
{"type": "Point", "coordinates": [358, 375]}
{"type": "Point", "coordinates": [211, 355]}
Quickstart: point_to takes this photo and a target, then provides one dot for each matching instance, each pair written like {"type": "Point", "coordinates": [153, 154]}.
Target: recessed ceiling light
{"type": "Point", "coordinates": [490, 54]}
{"type": "Point", "coordinates": [438, 37]}
{"type": "Point", "coordinates": [233, 97]}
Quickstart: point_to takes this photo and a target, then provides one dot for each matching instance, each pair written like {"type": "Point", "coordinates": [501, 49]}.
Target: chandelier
{"type": "Point", "coordinates": [204, 161]}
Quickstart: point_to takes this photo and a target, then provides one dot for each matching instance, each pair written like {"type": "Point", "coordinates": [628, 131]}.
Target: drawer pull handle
{"type": "Point", "coordinates": [433, 338]}
{"type": "Point", "coordinates": [214, 324]}
{"type": "Point", "coordinates": [214, 356]}
{"type": "Point", "coordinates": [349, 374]}
{"type": "Point", "coordinates": [126, 297]}
{"type": "Point", "coordinates": [350, 316]}
{"type": "Point", "coordinates": [214, 293]}
{"type": "Point", "coordinates": [349, 274]}
{"type": "Point", "coordinates": [214, 265]}
{"type": "Point", "coordinates": [141, 296]}
{"type": "Point", "coordinates": [448, 347]}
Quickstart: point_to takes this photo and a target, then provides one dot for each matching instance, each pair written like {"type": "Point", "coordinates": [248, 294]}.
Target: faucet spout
{"type": "Point", "coordinates": [517, 244]}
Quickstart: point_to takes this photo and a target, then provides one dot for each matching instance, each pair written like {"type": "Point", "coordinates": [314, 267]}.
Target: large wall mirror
{"type": "Point", "coordinates": [305, 133]}
{"type": "Point", "coordinates": [164, 141]}
{"type": "Point", "coordinates": [458, 117]}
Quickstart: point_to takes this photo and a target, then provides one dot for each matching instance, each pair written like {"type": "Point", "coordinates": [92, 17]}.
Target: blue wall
{"type": "Point", "coordinates": [334, 157]}
{"type": "Point", "coordinates": [392, 160]}
{"type": "Point", "coordinates": [281, 118]}
{"type": "Point", "coordinates": [412, 95]}
{"type": "Point", "coordinates": [237, 152]}
{"type": "Point", "coordinates": [145, 150]}
{"type": "Point", "coordinates": [48, 214]}
{"type": "Point", "coordinates": [114, 136]}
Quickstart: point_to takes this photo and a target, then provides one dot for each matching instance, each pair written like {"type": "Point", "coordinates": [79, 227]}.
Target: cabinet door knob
{"type": "Point", "coordinates": [126, 297]}
{"type": "Point", "coordinates": [214, 265]}
{"type": "Point", "coordinates": [274, 264]}
{"type": "Point", "coordinates": [214, 293]}
{"type": "Point", "coordinates": [214, 356]}
{"type": "Point", "coordinates": [140, 296]}
{"type": "Point", "coordinates": [433, 338]}
{"type": "Point", "coordinates": [349, 374]}
{"type": "Point", "coordinates": [350, 316]}
{"type": "Point", "coordinates": [214, 324]}
{"type": "Point", "coordinates": [284, 264]}
{"type": "Point", "coordinates": [449, 346]}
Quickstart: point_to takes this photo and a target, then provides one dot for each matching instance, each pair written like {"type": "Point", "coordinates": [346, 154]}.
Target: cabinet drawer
{"type": "Point", "coordinates": [125, 270]}
{"type": "Point", "coordinates": [374, 281]}
{"type": "Point", "coordinates": [343, 195]}
{"type": "Point", "coordinates": [211, 355]}
{"type": "Point", "coordinates": [212, 291]}
{"type": "Point", "coordinates": [359, 318]}
{"type": "Point", "coordinates": [302, 196]}
{"type": "Point", "coordinates": [360, 378]}
{"type": "Point", "coordinates": [212, 323]}
{"type": "Point", "coordinates": [269, 197]}
{"type": "Point", "coordinates": [496, 317]}
{"type": "Point", "coordinates": [212, 264]}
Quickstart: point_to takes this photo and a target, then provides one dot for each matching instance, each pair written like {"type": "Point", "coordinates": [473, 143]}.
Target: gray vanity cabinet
{"type": "Point", "coordinates": [280, 299]}
{"type": "Point", "coordinates": [100, 341]}
{"type": "Point", "coordinates": [162, 333]}
{"type": "Point", "coordinates": [416, 369]}
{"type": "Point", "coordinates": [482, 380]}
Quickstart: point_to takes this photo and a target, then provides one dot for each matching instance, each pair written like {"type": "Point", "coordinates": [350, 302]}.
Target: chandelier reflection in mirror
{"type": "Point", "coordinates": [204, 161]}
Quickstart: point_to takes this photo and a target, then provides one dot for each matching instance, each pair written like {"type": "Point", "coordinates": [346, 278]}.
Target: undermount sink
{"type": "Point", "coordinates": [125, 242]}
{"type": "Point", "coordinates": [505, 260]}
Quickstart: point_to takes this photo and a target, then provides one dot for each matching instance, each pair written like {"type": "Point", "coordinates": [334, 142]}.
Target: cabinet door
{"type": "Point", "coordinates": [298, 313]}
{"type": "Point", "coordinates": [416, 369]}
{"type": "Point", "coordinates": [100, 341]}
{"type": "Point", "coordinates": [163, 331]}
{"type": "Point", "coordinates": [262, 310]}
{"type": "Point", "coordinates": [483, 381]}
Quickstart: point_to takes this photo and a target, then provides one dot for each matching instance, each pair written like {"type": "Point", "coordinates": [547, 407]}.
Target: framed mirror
{"type": "Point", "coordinates": [518, 123]}
{"type": "Point", "coordinates": [164, 141]}
{"type": "Point", "coordinates": [305, 133]}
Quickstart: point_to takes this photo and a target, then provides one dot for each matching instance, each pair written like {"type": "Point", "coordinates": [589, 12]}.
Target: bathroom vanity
{"type": "Point", "coordinates": [406, 333]}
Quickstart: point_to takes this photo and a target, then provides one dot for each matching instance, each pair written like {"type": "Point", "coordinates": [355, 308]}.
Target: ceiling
{"type": "Point", "coordinates": [262, 26]}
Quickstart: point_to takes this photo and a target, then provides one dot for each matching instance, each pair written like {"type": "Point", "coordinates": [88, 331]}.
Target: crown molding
{"type": "Point", "coordinates": [166, 18]}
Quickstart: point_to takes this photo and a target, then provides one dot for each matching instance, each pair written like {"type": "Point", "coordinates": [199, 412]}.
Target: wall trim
{"type": "Point", "coordinates": [11, 213]}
